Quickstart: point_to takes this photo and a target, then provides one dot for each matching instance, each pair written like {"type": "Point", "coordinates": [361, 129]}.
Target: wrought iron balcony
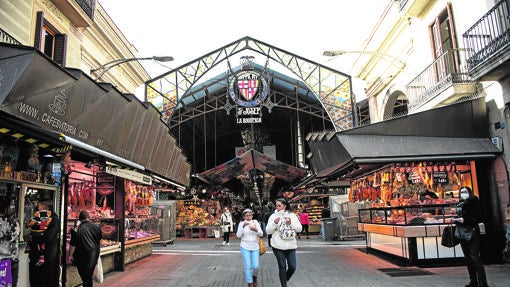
{"type": "Point", "coordinates": [488, 43]}
{"type": "Point", "coordinates": [6, 38]}
{"type": "Point", "coordinates": [445, 72]}
{"type": "Point", "coordinates": [87, 6]}
{"type": "Point", "coordinates": [79, 12]}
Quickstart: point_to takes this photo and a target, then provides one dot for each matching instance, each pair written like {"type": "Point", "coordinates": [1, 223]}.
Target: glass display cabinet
{"type": "Point", "coordinates": [410, 233]}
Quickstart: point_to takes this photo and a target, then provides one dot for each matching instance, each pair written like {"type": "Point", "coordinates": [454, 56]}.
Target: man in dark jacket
{"type": "Point", "coordinates": [85, 247]}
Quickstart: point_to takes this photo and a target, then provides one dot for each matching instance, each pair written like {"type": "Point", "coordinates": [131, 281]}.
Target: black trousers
{"type": "Point", "coordinates": [474, 264]}
{"type": "Point", "coordinates": [226, 236]}
{"type": "Point", "coordinates": [86, 275]}
{"type": "Point", "coordinates": [46, 275]}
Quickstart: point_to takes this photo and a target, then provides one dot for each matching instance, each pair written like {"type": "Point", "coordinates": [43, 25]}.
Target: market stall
{"type": "Point", "coordinates": [198, 218]}
{"type": "Point", "coordinates": [408, 171]}
{"type": "Point", "coordinates": [313, 204]}
{"type": "Point", "coordinates": [410, 205]}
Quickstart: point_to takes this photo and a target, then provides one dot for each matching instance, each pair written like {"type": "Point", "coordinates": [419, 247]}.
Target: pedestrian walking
{"type": "Point", "coordinates": [305, 222]}
{"type": "Point", "coordinates": [469, 214]}
{"type": "Point", "coordinates": [284, 226]}
{"type": "Point", "coordinates": [85, 247]}
{"type": "Point", "coordinates": [227, 225]}
{"type": "Point", "coordinates": [249, 231]}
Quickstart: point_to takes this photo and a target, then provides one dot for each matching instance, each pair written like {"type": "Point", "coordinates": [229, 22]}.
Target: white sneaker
{"type": "Point", "coordinates": [228, 244]}
{"type": "Point", "coordinates": [224, 242]}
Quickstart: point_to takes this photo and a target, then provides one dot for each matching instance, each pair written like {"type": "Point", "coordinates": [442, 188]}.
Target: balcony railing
{"type": "Point", "coordinates": [6, 38]}
{"type": "Point", "coordinates": [448, 69]}
{"type": "Point", "coordinates": [87, 6]}
{"type": "Point", "coordinates": [488, 35]}
{"type": "Point", "coordinates": [402, 4]}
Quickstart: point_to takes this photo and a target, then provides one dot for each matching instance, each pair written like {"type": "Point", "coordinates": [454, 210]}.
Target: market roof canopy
{"type": "Point", "coordinates": [247, 161]}
{"type": "Point", "coordinates": [451, 133]}
{"type": "Point", "coordinates": [173, 90]}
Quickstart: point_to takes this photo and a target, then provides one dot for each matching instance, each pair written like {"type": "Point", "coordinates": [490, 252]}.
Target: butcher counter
{"type": "Point", "coordinates": [411, 234]}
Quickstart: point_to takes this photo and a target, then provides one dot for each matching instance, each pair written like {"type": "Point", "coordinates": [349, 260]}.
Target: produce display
{"type": "Point", "coordinates": [194, 215]}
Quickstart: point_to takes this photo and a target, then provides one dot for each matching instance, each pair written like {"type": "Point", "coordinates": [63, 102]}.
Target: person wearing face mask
{"type": "Point", "coordinates": [469, 214]}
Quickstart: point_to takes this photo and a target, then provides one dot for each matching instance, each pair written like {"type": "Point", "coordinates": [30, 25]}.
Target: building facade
{"type": "Point", "coordinates": [76, 34]}
{"type": "Point", "coordinates": [429, 54]}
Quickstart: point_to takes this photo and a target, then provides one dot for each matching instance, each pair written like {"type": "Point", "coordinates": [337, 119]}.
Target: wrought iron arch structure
{"type": "Point", "coordinates": [194, 106]}
{"type": "Point", "coordinates": [333, 89]}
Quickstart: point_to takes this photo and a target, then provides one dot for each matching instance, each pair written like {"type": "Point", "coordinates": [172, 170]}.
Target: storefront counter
{"type": "Point", "coordinates": [138, 248]}
{"type": "Point", "coordinates": [410, 244]}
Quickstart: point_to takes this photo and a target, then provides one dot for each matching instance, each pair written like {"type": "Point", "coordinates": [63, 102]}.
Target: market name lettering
{"type": "Point", "coordinates": [249, 120]}
{"type": "Point", "coordinates": [52, 121]}
{"type": "Point", "coordinates": [248, 111]}
{"type": "Point", "coordinates": [244, 115]}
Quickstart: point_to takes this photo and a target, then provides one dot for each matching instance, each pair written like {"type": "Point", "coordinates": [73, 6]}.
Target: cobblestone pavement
{"type": "Point", "coordinates": [207, 263]}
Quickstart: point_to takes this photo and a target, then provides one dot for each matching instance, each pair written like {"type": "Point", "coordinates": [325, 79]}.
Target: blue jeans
{"type": "Point", "coordinates": [251, 263]}
{"type": "Point", "coordinates": [286, 264]}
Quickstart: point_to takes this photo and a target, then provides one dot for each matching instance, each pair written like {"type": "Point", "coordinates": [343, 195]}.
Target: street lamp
{"type": "Point", "coordinates": [104, 68]}
{"type": "Point", "coordinates": [377, 54]}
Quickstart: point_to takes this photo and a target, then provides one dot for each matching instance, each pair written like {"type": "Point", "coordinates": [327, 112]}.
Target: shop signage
{"type": "Point", "coordinates": [192, 203]}
{"type": "Point", "coordinates": [415, 177]}
{"type": "Point", "coordinates": [129, 174]}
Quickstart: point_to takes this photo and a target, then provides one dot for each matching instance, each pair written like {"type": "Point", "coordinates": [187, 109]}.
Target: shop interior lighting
{"type": "Point", "coordinates": [169, 182]}
{"type": "Point", "coordinates": [97, 151]}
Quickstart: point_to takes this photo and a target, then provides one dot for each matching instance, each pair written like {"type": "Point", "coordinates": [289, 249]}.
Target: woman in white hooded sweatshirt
{"type": "Point", "coordinates": [249, 231]}
{"type": "Point", "coordinates": [284, 226]}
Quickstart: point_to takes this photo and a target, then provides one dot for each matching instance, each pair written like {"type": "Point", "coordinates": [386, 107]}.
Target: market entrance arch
{"type": "Point", "coordinates": [304, 96]}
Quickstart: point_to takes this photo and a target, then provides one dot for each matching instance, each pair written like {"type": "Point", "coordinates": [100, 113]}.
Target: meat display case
{"type": "Point", "coordinates": [410, 233]}
{"type": "Point", "coordinates": [409, 215]}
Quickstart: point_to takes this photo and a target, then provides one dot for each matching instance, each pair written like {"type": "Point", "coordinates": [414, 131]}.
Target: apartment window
{"type": "Point", "coordinates": [49, 41]}
{"type": "Point", "coordinates": [442, 34]}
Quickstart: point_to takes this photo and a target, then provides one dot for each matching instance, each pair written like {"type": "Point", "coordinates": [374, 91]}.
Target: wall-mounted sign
{"type": "Point", "coordinates": [129, 174]}
{"type": "Point", "coordinates": [248, 89]}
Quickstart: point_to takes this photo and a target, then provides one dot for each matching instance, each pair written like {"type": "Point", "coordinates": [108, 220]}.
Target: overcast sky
{"type": "Point", "coordinates": [188, 29]}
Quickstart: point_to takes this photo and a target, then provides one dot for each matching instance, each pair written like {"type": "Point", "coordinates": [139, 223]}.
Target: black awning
{"type": "Point", "coordinates": [247, 161]}
{"type": "Point", "coordinates": [370, 147]}
{"type": "Point", "coordinates": [67, 101]}
{"type": "Point", "coordinates": [376, 149]}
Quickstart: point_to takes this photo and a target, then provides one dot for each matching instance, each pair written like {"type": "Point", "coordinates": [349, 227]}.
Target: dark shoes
{"type": "Point", "coordinates": [254, 281]}
{"type": "Point", "coordinates": [471, 284]}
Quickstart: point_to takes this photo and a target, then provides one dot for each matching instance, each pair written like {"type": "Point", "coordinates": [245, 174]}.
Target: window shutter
{"type": "Point", "coordinates": [39, 24]}
{"type": "Point", "coordinates": [60, 49]}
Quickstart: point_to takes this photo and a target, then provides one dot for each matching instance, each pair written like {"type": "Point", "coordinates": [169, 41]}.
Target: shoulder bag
{"type": "Point", "coordinates": [287, 232]}
{"type": "Point", "coordinates": [262, 247]}
{"type": "Point", "coordinates": [448, 239]}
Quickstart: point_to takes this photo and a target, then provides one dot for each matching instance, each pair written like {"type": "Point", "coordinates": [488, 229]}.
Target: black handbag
{"type": "Point", "coordinates": [448, 239]}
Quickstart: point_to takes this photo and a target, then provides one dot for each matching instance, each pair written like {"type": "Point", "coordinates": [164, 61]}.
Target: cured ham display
{"type": "Point", "coordinates": [402, 185]}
